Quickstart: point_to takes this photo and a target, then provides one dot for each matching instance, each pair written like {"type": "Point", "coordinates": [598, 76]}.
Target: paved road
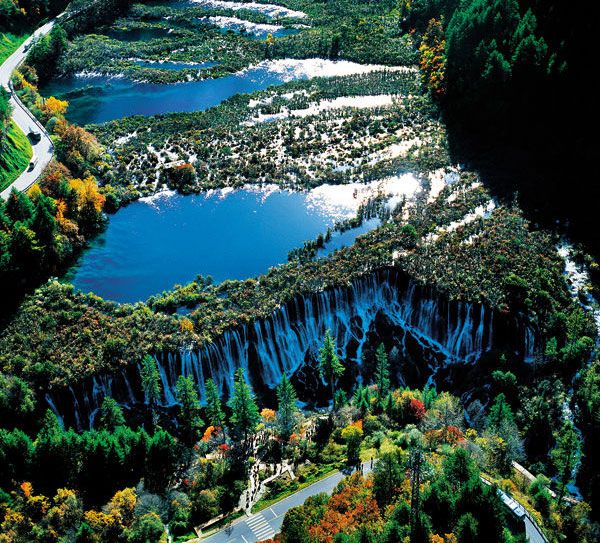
{"type": "Point", "coordinates": [24, 119]}
{"type": "Point", "coordinates": [267, 523]}
{"type": "Point", "coordinates": [532, 531]}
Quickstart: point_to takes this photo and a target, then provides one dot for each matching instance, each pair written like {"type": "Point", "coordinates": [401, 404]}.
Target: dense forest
{"type": "Point", "coordinates": [510, 76]}
{"type": "Point", "coordinates": [103, 438]}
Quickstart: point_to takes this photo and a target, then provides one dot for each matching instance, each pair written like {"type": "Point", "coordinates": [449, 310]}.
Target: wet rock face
{"type": "Point", "coordinates": [421, 330]}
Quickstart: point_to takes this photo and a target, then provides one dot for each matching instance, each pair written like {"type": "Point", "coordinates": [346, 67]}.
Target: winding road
{"type": "Point", "coordinates": [266, 523]}
{"type": "Point", "coordinates": [24, 119]}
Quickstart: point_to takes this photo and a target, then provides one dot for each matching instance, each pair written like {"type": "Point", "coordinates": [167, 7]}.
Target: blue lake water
{"type": "Point", "coordinates": [107, 98]}
{"type": "Point", "coordinates": [155, 243]}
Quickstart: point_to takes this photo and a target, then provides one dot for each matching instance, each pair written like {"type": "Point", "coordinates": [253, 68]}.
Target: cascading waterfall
{"type": "Point", "coordinates": [445, 331]}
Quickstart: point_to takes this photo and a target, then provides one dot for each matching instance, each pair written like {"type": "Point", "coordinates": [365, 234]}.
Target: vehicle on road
{"type": "Point", "coordinates": [33, 162]}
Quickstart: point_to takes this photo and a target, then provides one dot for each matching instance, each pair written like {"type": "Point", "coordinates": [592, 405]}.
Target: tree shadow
{"type": "Point", "coordinates": [550, 175]}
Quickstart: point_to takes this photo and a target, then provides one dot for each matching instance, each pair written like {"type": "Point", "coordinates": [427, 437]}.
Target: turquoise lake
{"type": "Point", "coordinates": [157, 242]}
{"type": "Point", "coordinates": [97, 99]}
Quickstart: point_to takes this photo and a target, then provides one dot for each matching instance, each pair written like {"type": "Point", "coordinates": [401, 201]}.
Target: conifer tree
{"type": "Point", "coordinates": [382, 373]}
{"type": "Point", "coordinates": [287, 410]}
{"type": "Point", "coordinates": [245, 415]}
{"type": "Point", "coordinates": [189, 408]}
{"type": "Point", "coordinates": [150, 383]}
{"type": "Point", "coordinates": [329, 363]}
{"type": "Point", "coordinates": [214, 408]}
{"type": "Point", "coordinates": [565, 457]}
{"type": "Point", "coordinates": [111, 415]}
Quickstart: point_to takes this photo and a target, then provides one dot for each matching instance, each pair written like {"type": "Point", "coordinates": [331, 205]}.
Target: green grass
{"type": "Point", "coordinates": [9, 44]}
{"type": "Point", "coordinates": [15, 154]}
{"type": "Point", "coordinates": [215, 527]}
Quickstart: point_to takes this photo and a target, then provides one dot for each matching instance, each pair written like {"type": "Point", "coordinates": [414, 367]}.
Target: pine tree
{"type": "Point", "coordinates": [287, 410]}
{"type": "Point", "coordinates": [329, 363]}
{"type": "Point", "coordinates": [44, 223]}
{"type": "Point", "coordinates": [244, 411]}
{"type": "Point", "coordinates": [382, 373]}
{"type": "Point", "coordinates": [362, 399]}
{"type": "Point", "coordinates": [340, 399]}
{"type": "Point", "coordinates": [388, 476]}
{"type": "Point", "coordinates": [111, 415]}
{"type": "Point", "coordinates": [500, 414]}
{"type": "Point", "coordinates": [19, 207]}
{"type": "Point", "coordinates": [150, 383]}
{"type": "Point", "coordinates": [565, 456]}
{"type": "Point", "coordinates": [189, 408]}
{"type": "Point", "coordinates": [214, 408]}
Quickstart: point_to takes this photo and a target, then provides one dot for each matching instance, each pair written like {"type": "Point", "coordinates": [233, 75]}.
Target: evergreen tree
{"type": "Point", "coordinates": [500, 413]}
{"type": "Point", "coordinates": [189, 408]}
{"type": "Point", "coordinates": [161, 461]}
{"type": "Point", "coordinates": [244, 411]}
{"type": "Point", "coordinates": [501, 422]}
{"type": "Point", "coordinates": [150, 383]}
{"type": "Point", "coordinates": [16, 452]}
{"type": "Point", "coordinates": [382, 374]}
{"type": "Point", "coordinates": [387, 477]}
{"type": "Point", "coordinates": [565, 457]}
{"type": "Point", "coordinates": [44, 223]}
{"type": "Point", "coordinates": [340, 399]}
{"type": "Point", "coordinates": [467, 529]}
{"type": "Point", "coordinates": [19, 207]}
{"type": "Point", "coordinates": [329, 363]}
{"type": "Point", "coordinates": [362, 399]}
{"type": "Point", "coordinates": [111, 415]}
{"type": "Point", "coordinates": [214, 408]}
{"type": "Point", "coordinates": [287, 410]}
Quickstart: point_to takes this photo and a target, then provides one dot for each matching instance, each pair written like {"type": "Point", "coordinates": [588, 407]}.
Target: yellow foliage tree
{"type": "Point", "coordinates": [186, 325]}
{"type": "Point", "coordinates": [432, 58]}
{"type": "Point", "coordinates": [53, 107]}
{"type": "Point", "coordinates": [122, 506]}
{"type": "Point", "coordinates": [87, 193]}
{"type": "Point", "coordinates": [268, 415]}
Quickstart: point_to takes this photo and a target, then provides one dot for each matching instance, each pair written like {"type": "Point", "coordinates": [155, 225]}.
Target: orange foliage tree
{"type": "Point", "coordinates": [351, 506]}
{"type": "Point", "coordinates": [432, 57]}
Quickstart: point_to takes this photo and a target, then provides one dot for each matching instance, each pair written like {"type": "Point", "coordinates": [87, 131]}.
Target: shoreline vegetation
{"type": "Point", "coordinates": [181, 463]}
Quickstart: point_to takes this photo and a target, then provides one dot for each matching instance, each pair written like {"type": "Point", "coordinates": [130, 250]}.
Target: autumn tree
{"type": "Point", "coordinates": [352, 435]}
{"type": "Point", "coordinates": [432, 58]}
{"type": "Point", "coordinates": [89, 203]}
{"type": "Point", "coordinates": [54, 107]}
